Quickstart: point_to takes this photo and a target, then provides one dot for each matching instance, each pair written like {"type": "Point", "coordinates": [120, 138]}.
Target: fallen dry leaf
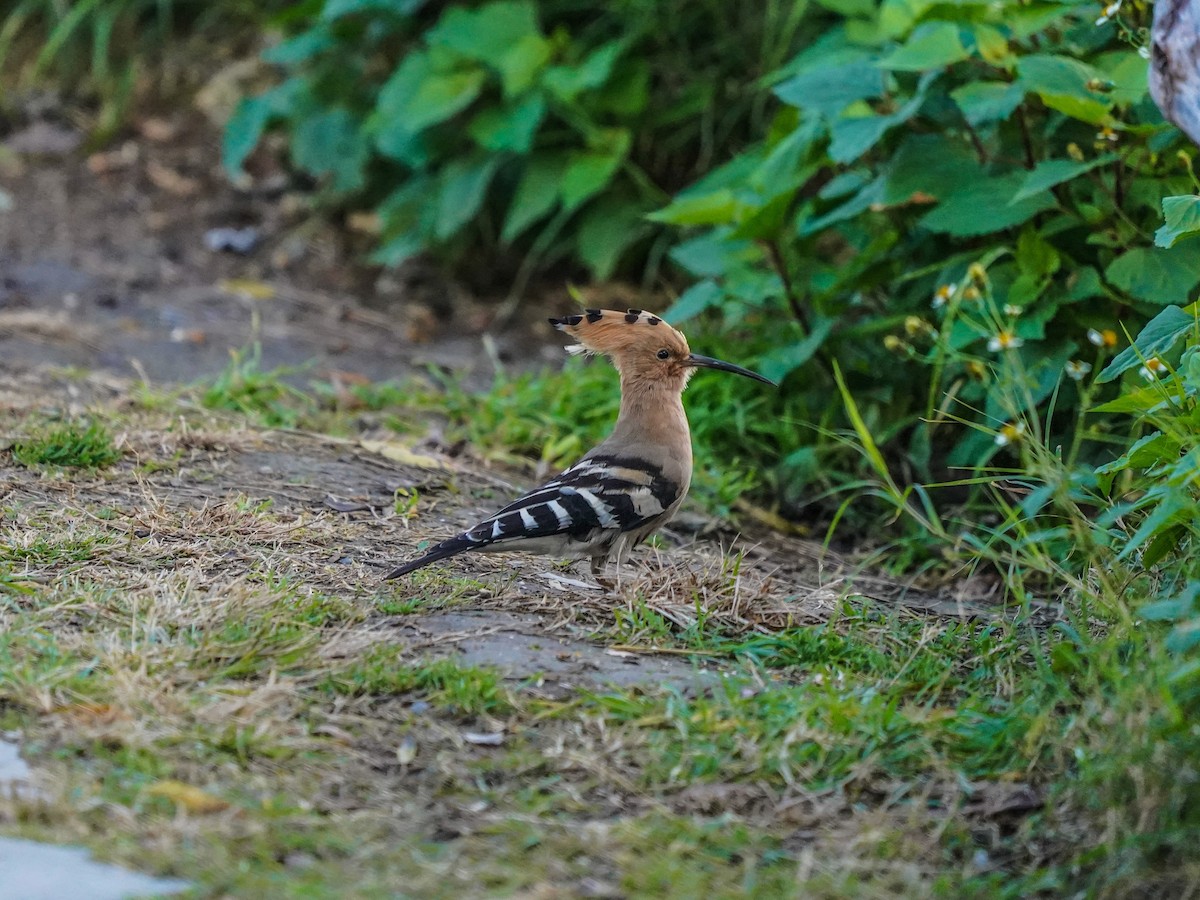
{"type": "Point", "coordinates": [364, 222]}
{"type": "Point", "coordinates": [491, 739]}
{"type": "Point", "coordinates": [157, 130]}
{"type": "Point", "coordinates": [190, 798]}
{"type": "Point", "coordinates": [171, 181]}
{"type": "Point", "coordinates": [247, 288]}
{"type": "Point", "coordinates": [399, 453]}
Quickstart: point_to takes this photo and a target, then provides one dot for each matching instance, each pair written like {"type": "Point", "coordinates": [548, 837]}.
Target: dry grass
{"type": "Point", "coordinates": [211, 679]}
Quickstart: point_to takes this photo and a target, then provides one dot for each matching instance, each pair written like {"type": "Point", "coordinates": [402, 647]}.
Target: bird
{"type": "Point", "coordinates": [628, 485]}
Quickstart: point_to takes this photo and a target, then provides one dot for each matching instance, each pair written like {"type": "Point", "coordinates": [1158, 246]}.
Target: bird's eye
{"type": "Point", "coordinates": [664, 353]}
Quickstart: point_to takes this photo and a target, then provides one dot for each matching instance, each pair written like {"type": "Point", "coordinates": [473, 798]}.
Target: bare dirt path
{"type": "Point", "coordinates": [107, 262]}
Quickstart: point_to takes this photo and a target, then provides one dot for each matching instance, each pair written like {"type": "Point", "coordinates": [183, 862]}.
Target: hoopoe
{"type": "Point", "coordinates": [632, 482]}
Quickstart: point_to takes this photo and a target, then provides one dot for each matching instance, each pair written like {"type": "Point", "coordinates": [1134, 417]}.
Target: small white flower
{"type": "Point", "coordinates": [1107, 134]}
{"type": "Point", "coordinates": [942, 295]}
{"type": "Point", "coordinates": [1109, 11]}
{"type": "Point", "coordinates": [1005, 340]}
{"type": "Point", "coordinates": [1105, 338]}
{"type": "Point", "coordinates": [1010, 434]}
{"type": "Point", "coordinates": [1077, 369]}
{"type": "Point", "coordinates": [1154, 369]}
{"type": "Point", "coordinates": [1144, 51]}
{"type": "Point", "coordinates": [1012, 311]}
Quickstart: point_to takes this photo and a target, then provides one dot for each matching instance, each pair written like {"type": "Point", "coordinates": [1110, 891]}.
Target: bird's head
{"type": "Point", "coordinates": [641, 345]}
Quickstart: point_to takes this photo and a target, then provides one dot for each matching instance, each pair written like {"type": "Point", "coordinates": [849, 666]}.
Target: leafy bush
{"type": "Point", "coordinates": [945, 185]}
{"type": "Point", "coordinates": [549, 127]}
{"type": "Point", "coordinates": [1156, 482]}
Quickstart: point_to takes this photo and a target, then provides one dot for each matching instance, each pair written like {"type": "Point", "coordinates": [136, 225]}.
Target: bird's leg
{"type": "Point", "coordinates": [598, 563]}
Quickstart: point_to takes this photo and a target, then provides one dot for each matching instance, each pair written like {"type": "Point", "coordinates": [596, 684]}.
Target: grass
{"type": "Point", "coordinates": [198, 625]}
{"type": "Point", "coordinates": [69, 446]}
{"type": "Point", "coordinates": [100, 51]}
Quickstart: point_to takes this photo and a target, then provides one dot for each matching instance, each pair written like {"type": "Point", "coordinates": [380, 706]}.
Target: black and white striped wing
{"type": "Point", "coordinates": [579, 513]}
{"type": "Point", "coordinates": [597, 494]}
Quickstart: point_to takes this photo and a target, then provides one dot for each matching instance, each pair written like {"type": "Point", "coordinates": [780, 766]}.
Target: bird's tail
{"type": "Point", "coordinates": [445, 549]}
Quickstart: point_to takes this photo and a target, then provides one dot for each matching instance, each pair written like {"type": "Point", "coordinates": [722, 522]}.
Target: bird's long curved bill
{"type": "Point", "coordinates": [707, 362]}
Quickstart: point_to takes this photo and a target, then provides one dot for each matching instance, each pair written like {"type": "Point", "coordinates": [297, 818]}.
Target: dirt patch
{"type": "Point", "coordinates": [108, 262]}
{"type": "Point", "coordinates": [330, 524]}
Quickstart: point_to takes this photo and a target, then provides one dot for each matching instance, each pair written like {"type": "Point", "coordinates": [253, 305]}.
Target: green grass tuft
{"type": "Point", "coordinates": [442, 682]}
{"type": "Point", "coordinates": [69, 446]}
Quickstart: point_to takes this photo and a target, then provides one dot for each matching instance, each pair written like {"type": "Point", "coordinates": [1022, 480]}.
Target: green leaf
{"type": "Point", "coordinates": [243, 131]}
{"type": "Point", "coordinates": [992, 45]}
{"type": "Point", "coordinates": [589, 172]}
{"type": "Point", "coordinates": [896, 17]}
{"type": "Point", "coordinates": [720, 207]}
{"type": "Point", "coordinates": [439, 97]}
{"type": "Point", "coordinates": [1054, 172]}
{"type": "Point", "coordinates": [783, 169]}
{"type": "Point", "coordinates": [850, 8]}
{"type": "Point", "coordinates": [1134, 402]}
{"type": "Point", "coordinates": [852, 137]}
{"type": "Point", "coordinates": [1182, 639]}
{"type": "Point", "coordinates": [332, 142]}
{"type": "Point", "coordinates": [714, 254]}
{"type": "Point", "coordinates": [987, 101]}
{"type": "Point", "coordinates": [604, 232]}
{"type": "Point", "coordinates": [1167, 610]}
{"type": "Point", "coordinates": [568, 82]}
{"type": "Point", "coordinates": [1085, 109]}
{"type": "Point", "coordinates": [1035, 256]}
{"type": "Point", "coordinates": [511, 127]}
{"type": "Point", "coordinates": [536, 194]}
{"type": "Point", "coordinates": [1062, 84]}
{"type": "Point", "coordinates": [399, 249]}
{"type": "Point", "coordinates": [401, 144]}
{"type": "Point", "coordinates": [780, 363]}
{"type": "Point", "coordinates": [1051, 74]}
{"type": "Point", "coordinates": [463, 185]}
{"type": "Point", "coordinates": [407, 218]}
{"type": "Point", "coordinates": [984, 207]}
{"type": "Point", "coordinates": [1160, 277]}
{"type": "Point", "coordinates": [1129, 74]}
{"type": "Point", "coordinates": [300, 48]}
{"type": "Point", "coordinates": [251, 117]}
{"type": "Point", "coordinates": [1182, 215]}
{"type": "Point", "coordinates": [627, 93]}
{"type": "Point", "coordinates": [830, 89]}
{"type": "Point", "coordinates": [1148, 450]}
{"type": "Point", "coordinates": [931, 46]}
{"type": "Point", "coordinates": [1156, 338]}
{"type": "Point", "coordinates": [520, 64]}
{"type": "Point", "coordinates": [486, 33]}
{"type": "Point", "coordinates": [1173, 506]}
{"type": "Point", "coordinates": [417, 96]}
{"type": "Point", "coordinates": [701, 296]}
{"type": "Point", "coordinates": [336, 9]}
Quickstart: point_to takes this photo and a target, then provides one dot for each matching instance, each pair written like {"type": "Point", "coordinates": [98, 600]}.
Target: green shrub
{"type": "Point", "coordinates": [550, 128]}
{"type": "Point", "coordinates": [943, 186]}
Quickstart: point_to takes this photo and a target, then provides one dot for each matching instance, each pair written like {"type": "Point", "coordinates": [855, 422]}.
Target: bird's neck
{"type": "Point", "coordinates": [653, 411]}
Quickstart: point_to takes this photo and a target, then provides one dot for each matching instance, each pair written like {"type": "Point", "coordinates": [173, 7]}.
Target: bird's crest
{"type": "Point", "coordinates": [611, 332]}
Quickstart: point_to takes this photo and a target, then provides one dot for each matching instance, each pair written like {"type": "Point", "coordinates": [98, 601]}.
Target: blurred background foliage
{"type": "Point", "coordinates": [911, 189]}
